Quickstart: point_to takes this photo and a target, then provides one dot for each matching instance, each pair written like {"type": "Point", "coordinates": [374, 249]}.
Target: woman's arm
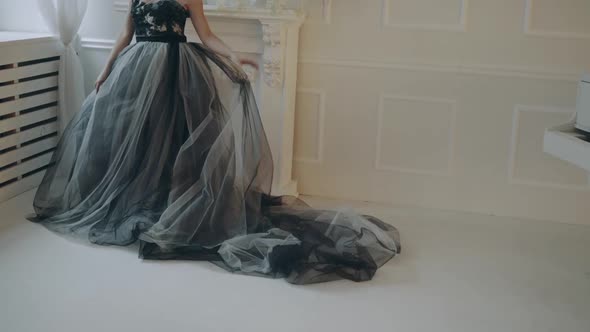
{"type": "Point", "coordinates": [207, 36]}
{"type": "Point", "coordinates": [124, 39]}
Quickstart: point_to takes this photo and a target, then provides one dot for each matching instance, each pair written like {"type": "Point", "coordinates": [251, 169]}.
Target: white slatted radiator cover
{"type": "Point", "coordinates": [29, 66]}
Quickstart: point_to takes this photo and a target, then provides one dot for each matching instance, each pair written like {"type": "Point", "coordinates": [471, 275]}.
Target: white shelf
{"type": "Point", "coordinates": [11, 38]}
{"type": "Point", "coordinates": [565, 143]}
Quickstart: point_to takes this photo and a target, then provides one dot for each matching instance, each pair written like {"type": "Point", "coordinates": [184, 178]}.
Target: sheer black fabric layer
{"type": "Point", "coordinates": [171, 152]}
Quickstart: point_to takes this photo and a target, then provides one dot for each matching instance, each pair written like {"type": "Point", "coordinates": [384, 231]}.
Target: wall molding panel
{"type": "Point", "coordinates": [485, 70]}
{"type": "Point", "coordinates": [120, 6]}
{"type": "Point", "coordinates": [325, 8]}
{"type": "Point", "coordinates": [321, 124]}
{"type": "Point", "coordinates": [459, 26]}
{"type": "Point", "coordinates": [98, 44]}
{"type": "Point", "coordinates": [327, 12]}
{"type": "Point", "coordinates": [513, 151]}
{"type": "Point", "coordinates": [530, 30]}
{"type": "Point", "coordinates": [452, 117]}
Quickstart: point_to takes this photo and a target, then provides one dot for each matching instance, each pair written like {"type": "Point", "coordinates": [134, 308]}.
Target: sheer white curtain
{"type": "Point", "coordinates": [63, 18]}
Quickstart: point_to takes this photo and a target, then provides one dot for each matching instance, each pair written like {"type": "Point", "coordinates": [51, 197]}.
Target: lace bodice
{"type": "Point", "coordinates": [159, 18]}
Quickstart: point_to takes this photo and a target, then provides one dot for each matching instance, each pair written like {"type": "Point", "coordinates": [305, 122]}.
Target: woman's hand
{"type": "Point", "coordinates": [124, 39]}
{"type": "Point", "coordinates": [101, 79]}
{"type": "Point", "coordinates": [242, 60]}
{"type": "Point", "coordinates": [247, 61]}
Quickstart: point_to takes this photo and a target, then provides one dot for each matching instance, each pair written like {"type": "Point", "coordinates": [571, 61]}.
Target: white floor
{"type": "Point", "coordinates": [457, 272]}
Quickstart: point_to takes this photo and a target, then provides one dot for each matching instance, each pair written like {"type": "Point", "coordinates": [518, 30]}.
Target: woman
{"type": "Point", "coordinates": [169, 149]}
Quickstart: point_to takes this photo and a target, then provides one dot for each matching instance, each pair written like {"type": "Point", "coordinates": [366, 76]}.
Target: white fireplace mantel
{"type": "Point", "coordinates": [272, 37]}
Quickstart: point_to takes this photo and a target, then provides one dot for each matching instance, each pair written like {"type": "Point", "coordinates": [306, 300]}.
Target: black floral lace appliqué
{"type": "Point", "coordinates": [159, 18]}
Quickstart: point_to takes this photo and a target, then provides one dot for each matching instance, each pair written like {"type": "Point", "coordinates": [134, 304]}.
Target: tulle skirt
{"type": "Point", "coordinates": [171, 152]}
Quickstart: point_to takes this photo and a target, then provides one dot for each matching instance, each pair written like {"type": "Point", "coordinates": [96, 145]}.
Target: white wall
{"type": "Point", "coordinates": [20, 15]}
{"type": "Point", "coordinates": [443, 103]}
{"type": "Point", "coordinates": [434, 103]}
{"type": "Point", "coordinates": [100, 24]}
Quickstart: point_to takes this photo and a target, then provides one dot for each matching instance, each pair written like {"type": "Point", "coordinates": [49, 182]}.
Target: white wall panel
{"type": "Point", "coordinates": [415, 135]}
{"type": "Point", "coordinates": [309, 125]}
{"type": "Point", "coordinates": [558, 19]}
{"type": "Point", "coordinates": [425, 104]}
{"type": "Point", "coordinates": [528, 164]}
{"type": "Point", "coordinates": [426, 14]}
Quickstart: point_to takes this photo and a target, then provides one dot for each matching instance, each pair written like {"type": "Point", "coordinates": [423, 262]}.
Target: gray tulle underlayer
{"type": "Point", "coordinates": [171, 152]}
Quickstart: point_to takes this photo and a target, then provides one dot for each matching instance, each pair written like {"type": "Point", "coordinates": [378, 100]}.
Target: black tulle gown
{"type": "Point", "coordinates": [171, 152]}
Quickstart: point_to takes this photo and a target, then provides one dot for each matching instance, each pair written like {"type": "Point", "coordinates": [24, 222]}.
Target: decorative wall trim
{"type": "Point", "coordinates": [451, 140]}
{"type": "Point", "coordinates": [326, 15]}
{"type": "Point", "coordinates": [245, 14]}
{"type": "Point", "coordinates": [98, 44]}
{"type": "Point", "coordinates": [460, 26]}
{"type": "Point", "coordinates": [327, 11]}
{"type": "Point", "coordinates": [531, 31]}
{"type": "Point", "coordinates": [272, 36]}
{"type": "Point", "coordinates": [486, 70]}
{"type": "Point", "coordinates": [121, 6]}
{"type": "Point", "coordinates": [512, 179]}
{"type": "Point", "coordinates": [321, 126]}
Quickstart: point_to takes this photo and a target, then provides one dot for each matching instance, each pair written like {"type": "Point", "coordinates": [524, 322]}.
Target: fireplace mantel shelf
{"type": "Point", "coordinates": [276, 30]}
{"type": "Point", "coordinates": [255, 14]}
{"type": "Point", "coordinates": [261, 14]}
